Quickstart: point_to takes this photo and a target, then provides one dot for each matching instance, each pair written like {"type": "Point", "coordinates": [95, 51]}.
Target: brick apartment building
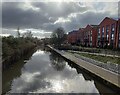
{"type": "Point", "coordinates": [118, 34]}
{"type": "Point", "coordinates": [90, 35]}
{"type": "Point", "coordinates": [84, 36]}
{"type": "Point", "coordinates": [107, 33]}
{"type": "Point", "coordinates": [81, 36]}
{"type": "Point", "coordinates": [76, 36]}
{"type": "Point", "coordinates": [72, 37]}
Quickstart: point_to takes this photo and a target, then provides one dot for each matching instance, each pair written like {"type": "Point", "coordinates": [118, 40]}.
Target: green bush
{"type": "Point", "coordinates": [15, 46]}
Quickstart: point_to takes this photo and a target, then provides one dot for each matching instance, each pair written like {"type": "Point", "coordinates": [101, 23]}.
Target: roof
{"type": "Point", "coordinates": [94, 25]}
{"type": "Point", "coordinates": [73, 31]}
{"type": "Point", "coordinates": [115, 19]}
{"type": "Point", "coordinates": [112, 18]}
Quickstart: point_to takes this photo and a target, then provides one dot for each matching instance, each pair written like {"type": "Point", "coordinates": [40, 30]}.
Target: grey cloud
{"type": "Point", "coordinates": [81, 20]}
{"type": "Point", "coordinates": [55, 9]}
{"type": "Point", "coordinates": [50, 26]}
{"type": "Point", "coordinates": [14, 15]}
{"type": "Point", "coordinates": [91, 18]}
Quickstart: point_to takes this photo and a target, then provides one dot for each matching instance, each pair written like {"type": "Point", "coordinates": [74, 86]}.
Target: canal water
{"type": "Point", "coordinates": [47, 72]}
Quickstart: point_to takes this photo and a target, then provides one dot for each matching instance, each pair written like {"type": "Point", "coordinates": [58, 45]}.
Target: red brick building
{"type": "Point", "coordinates": [76, 37]}
{"type": "Point", "coordinates": [107, 33]}
{"type": "Point", "coordinates": [118, 35]}
{"type": "Point", "coordinates": [81, 36]}
{"type": "Point", "coordinates": [90, 35]}
{"type": "Point", "coordinates": [72, 37]}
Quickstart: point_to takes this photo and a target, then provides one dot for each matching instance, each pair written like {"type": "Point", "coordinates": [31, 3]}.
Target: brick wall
{"type": "Point", "coordinates": [108, 28]}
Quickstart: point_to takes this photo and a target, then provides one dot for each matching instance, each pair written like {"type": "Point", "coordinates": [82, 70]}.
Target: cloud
{"type": "Point", "coordinates": [62, 20]}
{"type": "Point", "coordinates": [48, 16]}
{"type": "Point", "coordinates": [13, 16]}
{"type": "Point", "coordinates": [94, 15]}
{"type": "Point", "coordinates": [81, 20]}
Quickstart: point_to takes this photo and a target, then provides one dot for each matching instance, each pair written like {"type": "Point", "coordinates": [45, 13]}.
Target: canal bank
{"type": "Point", "coordinates": [8, 61]}
{"type": "Point", "coordinates": [106, 75]}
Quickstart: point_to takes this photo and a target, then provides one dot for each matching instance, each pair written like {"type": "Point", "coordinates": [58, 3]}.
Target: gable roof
{"type": "Point", "coordinates": [107, 18]}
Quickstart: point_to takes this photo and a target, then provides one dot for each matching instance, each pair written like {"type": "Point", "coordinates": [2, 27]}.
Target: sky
{"type": "Point", "coordinates": [42, 18]}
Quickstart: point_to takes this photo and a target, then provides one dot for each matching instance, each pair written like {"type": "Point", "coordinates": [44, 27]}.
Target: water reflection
{"type": "Point", "coordinates": [13, 72]}
{"type": "Point", "coordinates": [57, 63]}
{"type": "Point", "coordinates": [40, 75]}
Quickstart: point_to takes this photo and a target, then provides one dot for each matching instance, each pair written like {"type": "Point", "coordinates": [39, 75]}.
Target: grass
{"type": "Point", "coordinates": [101, 58]}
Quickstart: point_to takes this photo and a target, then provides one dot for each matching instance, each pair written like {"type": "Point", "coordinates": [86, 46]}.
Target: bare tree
{"type": "Point", "coordinates": [58, 36]}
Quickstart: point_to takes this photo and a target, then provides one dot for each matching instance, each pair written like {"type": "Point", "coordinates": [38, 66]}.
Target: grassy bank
{"type": "Point", "coordinates": [78, 48]}
{"type": "Point", "coordinates": [91, 50]}
{"type": "Point", "coordinates": [101, 58]}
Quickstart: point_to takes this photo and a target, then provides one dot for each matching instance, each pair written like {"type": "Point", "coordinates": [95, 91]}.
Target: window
{"type": "Point", "coordinates": [91, 44]}
{"type": "Point", "coordinates": [91, 38]}
{"type": "Point", "coordinates": [103, 35]}
{"type": "Point", "coordinates": [119, 45]}
{"type": "Point", "coordinates": [99, 31]}
{"type": "Point", "coordinates": [112, 37]}
{"type": "Point", "coordinates": [113, 27]}
{"type": "Point", "coordinates": [102, 29]}
{"type": "Point", "coordinates": [98, 36]}
{"type": "Point", "coordinates": [107, 36]}
{"type": "Point", "coordinates": [91, 32]}
{"type": "Point", "coordinates": [107, 28]}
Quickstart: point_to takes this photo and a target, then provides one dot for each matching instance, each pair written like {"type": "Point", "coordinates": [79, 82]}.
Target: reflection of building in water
{"type": "Point", "coordinates": [57, 62]}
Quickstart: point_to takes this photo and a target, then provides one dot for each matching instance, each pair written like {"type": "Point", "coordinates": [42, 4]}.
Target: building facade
{"type": "Point", "coordinates": [90, 35]}
{"type": "Point", "coordinates": [81, 36]}
{"type": "Point", "coordinates": [107, 33]}
{"type": "Point", "coordinates": [72, 37]}
{"type": "Point", "coordinates": [118, 34]}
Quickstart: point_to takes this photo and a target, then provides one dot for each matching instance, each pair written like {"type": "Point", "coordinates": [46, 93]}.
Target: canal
{"type": "Point", "coordinates": [47, 72]}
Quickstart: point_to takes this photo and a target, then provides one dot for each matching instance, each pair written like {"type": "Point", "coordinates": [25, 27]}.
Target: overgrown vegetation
{"type": "Point", "coordinates": [11, 45]}
{"type": "Point", "coordinates": [14, 48]}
